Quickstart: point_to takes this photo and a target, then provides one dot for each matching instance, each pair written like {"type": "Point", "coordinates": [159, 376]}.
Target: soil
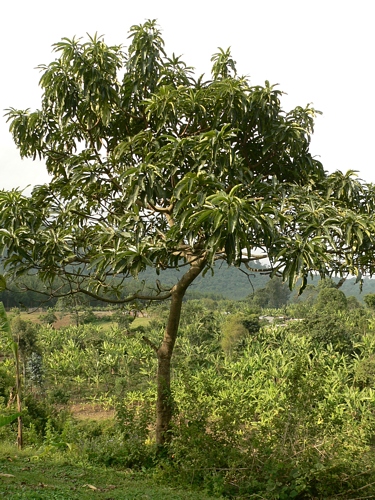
{"type": "Point", "coordinates": [84, 411]}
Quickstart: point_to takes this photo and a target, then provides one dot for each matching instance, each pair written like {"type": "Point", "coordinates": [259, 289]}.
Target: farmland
{"type": "Point", "coordinates": [276, 407]}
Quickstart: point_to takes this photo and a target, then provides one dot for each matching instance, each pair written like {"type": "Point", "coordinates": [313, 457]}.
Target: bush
{"type": "Point", "coordinates": [59, 395]}
{"type": "Point", "coordinates": [34, 370]}
{"type": "Point", "coordinates": [49, 317]}
{"type": "Point", "coordinates": [6, 382]}
{"type": "Point", "coordinates": [38, 411]}
{"type": "Point", "coordinates": [364, 374]}
{"type": "Point", "coordinates": [236, 329]}
{"type": "Point", "coordinates": [277, 422]}
{"type": "Point", "coordinates": [87, 316]}
{"type": "Point", "coordinates": [136, 417]}
{"type": "Point", "coordinates": [331, 300]}
{"type": "Point", "coordinates": [326, 329]}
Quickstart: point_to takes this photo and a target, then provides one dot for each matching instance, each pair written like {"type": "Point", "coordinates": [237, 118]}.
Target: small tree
{"type": "Point", "coordinates": [274, 295]}
{"type": "Point", "coordinates": [153, 167]}
{"type": "Point", "coordinates": [76, 305]}
{"type": "Point", "coordinates": [236, 329]}
{"type": "Point", "coordinates": [331, 300]}
{"type": "Point", "coordinates": [49, 318]}
{"type": "Point", "coordinates": [5, 327]}
{"type": "Point", "coordinates": [25, 335]}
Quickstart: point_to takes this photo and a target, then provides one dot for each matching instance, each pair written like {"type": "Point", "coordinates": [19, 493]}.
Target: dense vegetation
{"type": "Point", "coordinates": [275, 410]}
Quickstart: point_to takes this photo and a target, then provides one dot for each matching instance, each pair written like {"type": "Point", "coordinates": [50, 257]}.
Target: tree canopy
{"type": "Point", "coordinates": [153, 166]}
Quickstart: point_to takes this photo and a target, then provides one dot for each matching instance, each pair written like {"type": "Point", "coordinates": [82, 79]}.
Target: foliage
{"type": "Point", "coordinates": [291, 425]}
{"type": "Point", "coordinates": [25, 333]}
{"type": "Point", "coordinates": [8, 419]}
{"type": "Point", "coordinates": [143, 148]}
{"type": "Point", "coordinates": [136, 414]}
{"type": "Point", "coordinates": [364, 375]}
{"type": "Point", "coordinates": [236, 329]}
{"type": "Point", "coordinates": [290, 415]}
{"type": "Point", "coordinates": [337, 331]}
{"type": "Point", "coordinates": [331, 300]}
{"type": "Point", "coordinates": [274, 295]}
{"type": "Point", "coordinates": [6, 382]}
{"type": "Point", "coordinates": [353, 303]}
{"type": "Point", "coordinates": [6, 330]}
{"type": "Point", "coordinates": [78, 306]}
{"type": "Point", "coordinates": [122, 318]}
{"type": "Point", "coordinates": [120, 151]}
{"type": "Point", "coordinates": [34, 370]}
{"type": "Point", "coordinates": [370, 300]}
{"type": "Point", "coordinates": [152, 167]}
{"type": "Point", "coordinates": [38, 413]}
{"type": "Point", "coordinates": [49, 317]}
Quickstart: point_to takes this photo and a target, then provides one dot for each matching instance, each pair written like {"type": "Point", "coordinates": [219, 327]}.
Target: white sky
{"type": "Point", "coordinates": [319, 51]}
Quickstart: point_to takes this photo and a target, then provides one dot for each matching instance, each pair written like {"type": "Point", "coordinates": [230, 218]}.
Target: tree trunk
{"type": "Point", "coordinates": [19, 406]}
{"type": "Point", "coordinates": [164, 404]}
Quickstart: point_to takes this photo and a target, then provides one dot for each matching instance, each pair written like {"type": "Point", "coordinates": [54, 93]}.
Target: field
{"type": "Point", "coordinates": [103, 318]}
{"type": "Point", "coordinates": [262, 410]}
{"type": "Point", "coordinates": [25, 475]}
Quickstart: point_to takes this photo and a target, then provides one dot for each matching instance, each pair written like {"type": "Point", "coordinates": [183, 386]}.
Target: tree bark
{"type": "Point", "coordinates": [164, 403]}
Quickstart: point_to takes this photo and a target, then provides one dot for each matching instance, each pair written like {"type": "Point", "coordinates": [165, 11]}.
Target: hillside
{"type": "Point", "coordinates": [224, 282]}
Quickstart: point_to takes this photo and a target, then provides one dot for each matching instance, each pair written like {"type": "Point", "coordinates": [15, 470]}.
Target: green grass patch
{"type": "Point", "coordinates": [26, 475]}
{"type": "Point", "coordinates": [140, 322]}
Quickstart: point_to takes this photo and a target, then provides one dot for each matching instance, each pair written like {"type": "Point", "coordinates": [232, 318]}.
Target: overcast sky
{"type": "Point", "coordinates": [320, 52]}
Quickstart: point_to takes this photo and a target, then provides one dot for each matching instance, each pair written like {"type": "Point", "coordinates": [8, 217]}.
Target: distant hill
{"type": "Point", "coordinates": [232, 283]}
{"type": "Point", "coordinates": [226, 282]}
{"type": "Point", "coordinates": [350, 287]}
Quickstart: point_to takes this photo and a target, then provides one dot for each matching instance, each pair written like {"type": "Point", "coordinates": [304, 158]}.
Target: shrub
{"type": "Point", "coordinates": [364, 374]}
{"type": "Point", "coordinates": [236, 329]}
{"type": "Point", "coordinates": [331, 300]}
{"type": "Point", "coordinates": [282, 421]}
{"type": "Point", "coordinates": [49, 317]}
{"type": "Point", "coordinates": [38, 411]}
{"type": "Point", "coordinates": [326, 329]}
{"type": "Point", "coordinates": [6, 382]}
{"type": "Point", "coordinates": [136, 415]}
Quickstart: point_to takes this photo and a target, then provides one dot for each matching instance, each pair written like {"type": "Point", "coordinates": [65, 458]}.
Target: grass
{"type": "Point", "coordinates": [25, 475]}
{"type": "Point", "coordinates": [69, 319]}
{"type": "Point", "coordinates": [139, 322]}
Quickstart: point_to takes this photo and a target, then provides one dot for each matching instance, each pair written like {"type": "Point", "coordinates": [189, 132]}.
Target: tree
{"type": "Point", "coordinates": [274, 295]}
{"type": "Point", "coordinates": [25, 334]}
{"type": "Point", "coordinates": [158, 168]}
{"type": "Point", "coordinates": [14, 345]}
{"type": "Point", "coordinates": [331, 300]}
{"type": "Point", "coordinates": [236, 329]}
{"type": "Point", "coordinates": [49, 317]}
{"type": "Point", "coordinates": [76, 305]}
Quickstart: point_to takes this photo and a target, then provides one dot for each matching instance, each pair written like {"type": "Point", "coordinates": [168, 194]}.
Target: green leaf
{"type": "Point", "coordinates": [4, 322]}
{"type": "Point", "coordinates": [232, 221]}
{"type": "Point", "coordinates": [3, 283]}
{"type": "Point", "coordinates": [8, 419]}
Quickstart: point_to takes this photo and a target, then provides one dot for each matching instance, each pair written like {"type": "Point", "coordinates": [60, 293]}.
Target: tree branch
{"type": "Point", "coordinates": [150, 343]}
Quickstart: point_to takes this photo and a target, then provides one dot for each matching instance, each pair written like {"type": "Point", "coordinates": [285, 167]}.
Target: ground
{"type": "Point", "coordinates": [82, 411]}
